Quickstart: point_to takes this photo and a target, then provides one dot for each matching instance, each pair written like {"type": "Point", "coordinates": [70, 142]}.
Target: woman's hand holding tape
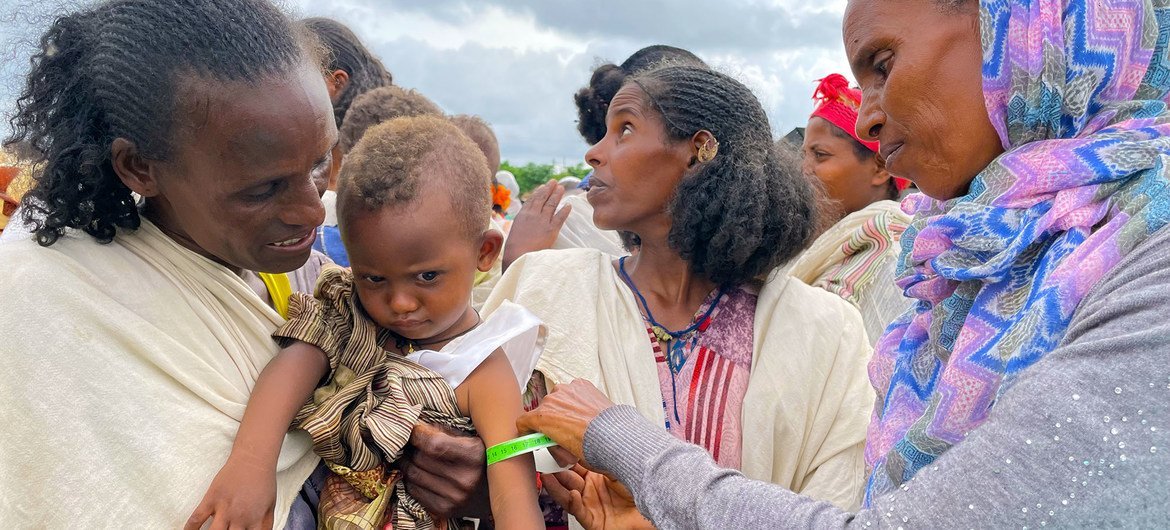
{"type": "Point", "coordinates": [564, 415]}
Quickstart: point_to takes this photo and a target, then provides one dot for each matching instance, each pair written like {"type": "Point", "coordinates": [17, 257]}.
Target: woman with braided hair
{"type": "Point", "coordinates": [700, 330]}
{"type": "Point", "coordinates": [553, 219]}
{"type": "Point", "coordinates": [180, 149]}
{"type": "Point", "coordinates": [1029, 384]}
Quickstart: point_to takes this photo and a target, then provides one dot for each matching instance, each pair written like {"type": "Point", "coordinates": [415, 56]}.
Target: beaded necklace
{"type": "Point", "coordinates": [675, 341]}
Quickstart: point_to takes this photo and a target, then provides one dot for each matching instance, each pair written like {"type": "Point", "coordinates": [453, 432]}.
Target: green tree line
{"type": "Point", "coordinates": [531, 175]}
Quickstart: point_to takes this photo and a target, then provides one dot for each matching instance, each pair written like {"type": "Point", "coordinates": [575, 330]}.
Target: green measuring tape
{"type": "Point", "coordinates": [518, 446]}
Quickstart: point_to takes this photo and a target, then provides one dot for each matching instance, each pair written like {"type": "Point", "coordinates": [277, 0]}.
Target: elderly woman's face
{"type": "Point", "coordinates": [250, 163]}
{"type": "Point", "coordinates": [919, 67]}
{"type": "Point", "coordinates": [636, 168]}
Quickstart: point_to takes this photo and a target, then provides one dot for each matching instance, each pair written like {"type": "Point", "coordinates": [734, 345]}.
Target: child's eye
{"type": "Point", "coordinates": [373, 279]}
{"type": "Point", "coordinates": [626, 130]}
{"type": "Point", "coordinates": [428, 277]}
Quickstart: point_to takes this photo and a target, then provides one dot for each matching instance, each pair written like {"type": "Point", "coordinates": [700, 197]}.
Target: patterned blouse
{"type": "Point", "coordinates": [702, 401]}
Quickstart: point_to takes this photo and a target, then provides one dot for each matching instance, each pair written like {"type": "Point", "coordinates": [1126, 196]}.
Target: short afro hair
{"type": "Point", "coordinates": [379, 105]}
{"type": "Point", "coordinates": [747, 210]}
{"type": "Point", "coordinates": [481, 133]}
{"type": "Point", "coordinates": [395, 160]}
{"type": "Point", "coordinates": [593, 100]}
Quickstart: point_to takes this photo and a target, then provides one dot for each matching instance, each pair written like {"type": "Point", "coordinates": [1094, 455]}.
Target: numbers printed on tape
{"type": "Point", "coordinates": [518, 446]}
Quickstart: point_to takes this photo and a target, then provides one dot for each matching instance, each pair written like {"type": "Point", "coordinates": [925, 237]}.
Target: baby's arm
{"type": "Point", "coordinates": [491, 397]}
{"type": "Point", "coordinates": [244, 491]}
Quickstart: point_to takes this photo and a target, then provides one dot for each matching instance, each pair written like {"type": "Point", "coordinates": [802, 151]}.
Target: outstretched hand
{"type": "Point", "coordinates": [242, 495]}
{"type": "Point", "coordinates": [537, 224]}
{"type": "Point", "coordinates": [596, 501]}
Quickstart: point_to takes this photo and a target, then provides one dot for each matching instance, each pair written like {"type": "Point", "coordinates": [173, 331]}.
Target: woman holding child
{"type": "Point", "coordinates": [131, 339]}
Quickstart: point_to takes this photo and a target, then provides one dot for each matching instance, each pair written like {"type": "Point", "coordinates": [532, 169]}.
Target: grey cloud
{"type": "Point", "coordinates": [720, 26]}
{"type": "Point", "coordinates": [527, 97]}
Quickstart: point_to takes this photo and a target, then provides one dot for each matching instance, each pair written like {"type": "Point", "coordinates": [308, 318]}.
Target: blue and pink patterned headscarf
{"type": "Point", "coordinates": [1077, 90]}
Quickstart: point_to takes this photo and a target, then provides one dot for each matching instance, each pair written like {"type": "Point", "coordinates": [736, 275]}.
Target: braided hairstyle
{"type": "Point", "coordinates": [746, 211]}
{"type": "Point", "coordinates": [113, 71]}
{"type": "Point", "coordinates": [593, 100]}
{"type": "Point", "coordinates": [347, 53]}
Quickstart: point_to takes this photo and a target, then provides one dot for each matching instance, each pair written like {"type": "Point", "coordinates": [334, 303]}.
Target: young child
{"type": "Point", "coordinates": [392, 343]}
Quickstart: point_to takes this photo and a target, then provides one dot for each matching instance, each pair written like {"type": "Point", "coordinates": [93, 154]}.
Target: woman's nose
{"type": "Point", "coordinates": [870, 117]}
{"type": "Point", "coordinates": [304, 207]}
{"type": "Point", "coordinates": [596, 154]}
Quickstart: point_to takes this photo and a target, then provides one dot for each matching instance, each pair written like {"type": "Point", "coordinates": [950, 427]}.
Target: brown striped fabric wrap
{"type": "Point", "coordinates": [362, 417]}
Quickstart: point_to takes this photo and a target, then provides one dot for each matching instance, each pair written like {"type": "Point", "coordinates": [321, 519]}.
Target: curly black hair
{"type": "Point", "coordinates": [347, 53]}
{"type": "Point", "coordinates": [747, 210]}
{"type": "Point", "coordinates": [112, 71]}
{"type": "Point", "coordinates": [593, 100]}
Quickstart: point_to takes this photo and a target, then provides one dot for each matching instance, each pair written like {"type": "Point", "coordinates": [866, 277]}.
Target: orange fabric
{"type": "Point", "coordinates": [501, 197]}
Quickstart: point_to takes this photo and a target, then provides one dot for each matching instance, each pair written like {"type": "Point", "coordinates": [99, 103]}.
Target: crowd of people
{"type": "Point", "coordinates": [251, 282]}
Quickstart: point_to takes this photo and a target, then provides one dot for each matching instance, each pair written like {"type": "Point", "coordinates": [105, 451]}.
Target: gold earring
{"type": "Point", "coordinates": [708, 150]}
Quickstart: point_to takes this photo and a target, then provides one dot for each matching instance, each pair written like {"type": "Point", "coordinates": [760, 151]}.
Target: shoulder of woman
{"type": "Point", "coordinates": [559, 264]}
{"type": "Point", "coordinates": [29, 265]}
{"type": "Point", "coordinates": [1131, 297]}
{"type": "Point", "coordinates": [784, 299]}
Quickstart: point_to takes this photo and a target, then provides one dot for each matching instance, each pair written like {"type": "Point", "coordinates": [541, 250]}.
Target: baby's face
{"type": "Point", "coordinates": [413, 267]}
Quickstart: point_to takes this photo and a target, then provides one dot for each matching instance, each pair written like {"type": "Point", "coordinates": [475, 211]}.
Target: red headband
{"type": "Point", "coordinates": [838, 103]}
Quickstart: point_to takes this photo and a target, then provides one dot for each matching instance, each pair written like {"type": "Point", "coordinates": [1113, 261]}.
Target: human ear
{"type": "Point", "coordinates": [703, 147]}
{"type": "Point", "coordinates": [335, 83]}
{"type": "Point", "coordinates": [879, 176]}
{"type": "Point", "coordinates": [134, 170]}
{"type": "Point", "coordinates": [489, 249]}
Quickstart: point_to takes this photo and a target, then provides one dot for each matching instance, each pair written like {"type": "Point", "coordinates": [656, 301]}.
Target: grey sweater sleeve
{"type": "Point", "coordinates": [1081, 439]}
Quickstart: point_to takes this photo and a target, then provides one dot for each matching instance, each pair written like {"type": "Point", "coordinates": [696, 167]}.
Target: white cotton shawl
{"type": "Point", "coordinates": [856, 259]}
{"type": "Point", "coordinates": [580, 232]}
{"type": "Point", "coordinates": [808, 399]}
{"type": "Point", "coordinates": [126, 368]}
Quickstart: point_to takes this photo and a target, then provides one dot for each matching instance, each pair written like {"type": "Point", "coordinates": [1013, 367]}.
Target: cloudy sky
{"type": "Point", "coordinates": [517, 63]}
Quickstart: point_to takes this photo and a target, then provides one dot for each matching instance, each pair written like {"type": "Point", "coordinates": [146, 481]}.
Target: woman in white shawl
{"type": "Point", "coordinates": [131, 338]}
{"type": "Point", "coordinates": [698, 329]}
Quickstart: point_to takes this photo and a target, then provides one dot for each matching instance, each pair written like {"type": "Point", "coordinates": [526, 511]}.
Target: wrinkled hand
{"type": "Point", "coordinates": [447, 472]}
{"type": "Point", "coordinates": [565, 413]}
{"type": "Point", "coordinates": [596, 501]}
{"type": "Point", "coordinates": [242, 495]}
{"type": "Point", "coordinates": [538, 223]}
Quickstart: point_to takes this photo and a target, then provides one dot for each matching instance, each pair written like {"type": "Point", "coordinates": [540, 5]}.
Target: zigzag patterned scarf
{"type": "Point", "coordinates": [1077, 90]}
